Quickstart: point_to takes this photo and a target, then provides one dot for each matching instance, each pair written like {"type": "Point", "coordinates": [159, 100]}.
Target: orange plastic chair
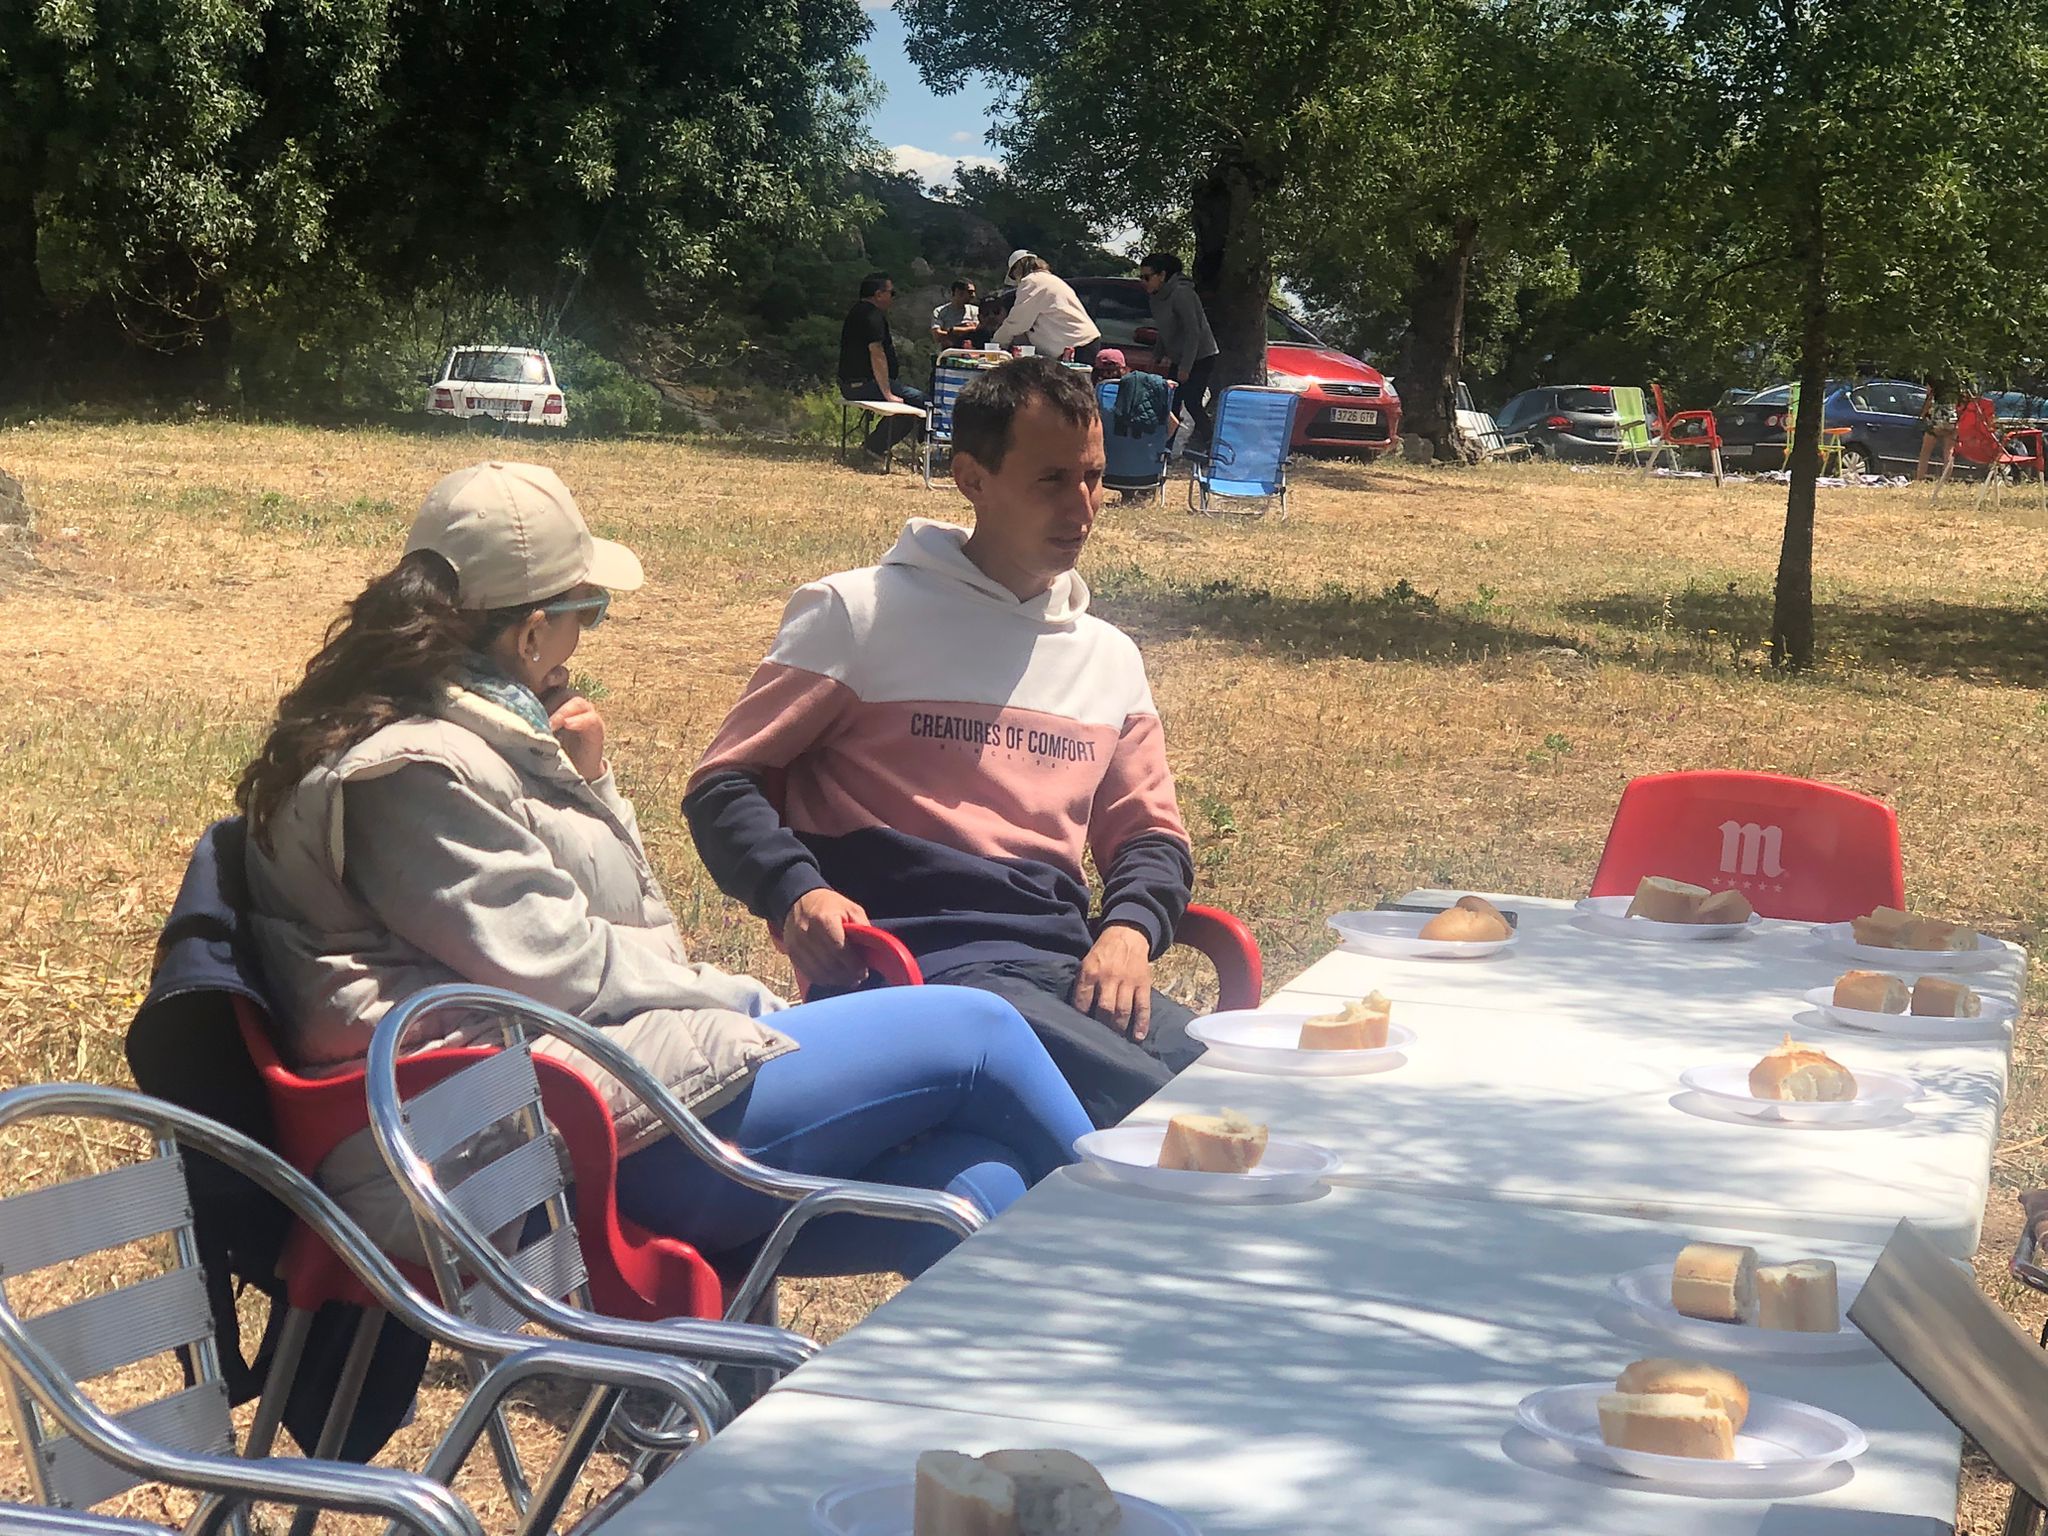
{"type": "Point", "coordinates": [1795, 848]}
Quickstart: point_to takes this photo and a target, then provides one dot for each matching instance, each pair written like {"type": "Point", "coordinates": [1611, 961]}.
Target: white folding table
{"type": "Point", "coordinates": [1349, 1363]}
{"type": "Point", "coordinates": [1551, 1073]}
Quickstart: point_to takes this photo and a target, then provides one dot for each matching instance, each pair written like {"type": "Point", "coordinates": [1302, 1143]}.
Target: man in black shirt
{"type": "Point", "coordinates": [867, 364]}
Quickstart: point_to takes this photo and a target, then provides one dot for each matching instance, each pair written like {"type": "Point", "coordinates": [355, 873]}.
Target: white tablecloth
{"type": "Point", "coordinates": [1551, 1075]}
{"type": "Point", "coordinates": [1344, 1364]}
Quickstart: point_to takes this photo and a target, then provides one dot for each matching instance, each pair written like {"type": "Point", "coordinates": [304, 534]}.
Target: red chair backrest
{"type": "Point", "coordinates": [1977, 432]}
{"type": "Point", "coordinates": [633, 1273]}
{"type": "Point", "coordinates": [1795, 848]}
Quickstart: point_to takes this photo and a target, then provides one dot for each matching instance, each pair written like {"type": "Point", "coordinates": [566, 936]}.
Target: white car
{"type": "Point", "coordinates": [515, 384]}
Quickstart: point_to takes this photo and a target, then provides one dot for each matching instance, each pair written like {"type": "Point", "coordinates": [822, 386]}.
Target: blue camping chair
{"type": "Point", "coordinates": [1135, 464]}
{"type": "Point", "coordinates": [951, 371]}
{"type": "Point", "coordinates": [1247, 454]}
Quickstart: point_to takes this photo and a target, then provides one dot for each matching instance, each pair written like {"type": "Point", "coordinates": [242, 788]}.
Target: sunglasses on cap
{"type": "Point", "coordinates": [591, 610]}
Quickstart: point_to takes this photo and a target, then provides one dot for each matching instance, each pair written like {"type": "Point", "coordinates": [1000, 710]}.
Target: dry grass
{"type": "Point", "coordinates": [1365, 699]}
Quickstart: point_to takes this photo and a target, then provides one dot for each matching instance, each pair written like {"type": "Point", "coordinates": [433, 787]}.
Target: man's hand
{"type": "Point", "coordinates": [1115, 984]}
{"type": "Point", "coordinates": [814, 935]}
{"type": "Point", "coordinates": [577, 726]}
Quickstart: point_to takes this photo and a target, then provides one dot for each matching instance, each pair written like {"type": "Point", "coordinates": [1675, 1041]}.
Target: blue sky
{"type": "Point", "coordinates": [925, 133]}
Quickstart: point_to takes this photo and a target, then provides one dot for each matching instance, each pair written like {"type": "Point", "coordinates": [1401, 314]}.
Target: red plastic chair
{"type": "Point", "coordinates": [1698, 429]}
{"type": "Point", "coordinates": [1795, 848]}
{"type": "Point", "coordinates": [1978, 440]}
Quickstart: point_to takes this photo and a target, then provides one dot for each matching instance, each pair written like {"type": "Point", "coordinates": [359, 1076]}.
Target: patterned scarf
{"type": "Point", "coordinates": [481, 677]}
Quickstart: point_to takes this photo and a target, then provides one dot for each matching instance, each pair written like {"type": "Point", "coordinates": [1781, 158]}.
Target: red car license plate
{"type": "Point", "coordinates": [1354, 417]}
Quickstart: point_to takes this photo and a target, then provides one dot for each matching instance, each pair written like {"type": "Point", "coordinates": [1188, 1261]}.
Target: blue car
{"type": "Point", "coordinates": [1882, 417]}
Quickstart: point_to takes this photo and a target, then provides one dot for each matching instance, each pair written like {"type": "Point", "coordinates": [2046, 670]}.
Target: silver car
{"type": "Point", "coordinates": [1565, 421]}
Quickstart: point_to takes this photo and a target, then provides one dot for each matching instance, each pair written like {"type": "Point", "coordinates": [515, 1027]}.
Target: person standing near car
{"type": "Point", "coordinates": [1186, 351]}
{"type": "Point", "coordinates": [867, 365]}
{"type": "Point", "coordinates": [1939, 414]}
{"type": "Point", "coordinates": [1047, 315]}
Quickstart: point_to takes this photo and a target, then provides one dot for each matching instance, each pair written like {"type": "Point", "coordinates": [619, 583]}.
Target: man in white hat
{"type": "Point", "coordinates": [1046, 314]}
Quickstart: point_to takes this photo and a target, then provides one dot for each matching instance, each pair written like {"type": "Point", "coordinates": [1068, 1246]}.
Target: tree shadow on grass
{"type": "Point", "coordinates": [1979, 643]}
{"type": "Point", "coordinates": [1396, 623]}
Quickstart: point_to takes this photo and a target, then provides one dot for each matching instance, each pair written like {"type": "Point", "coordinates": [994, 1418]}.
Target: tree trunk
{"type": "Point", "coordinates": [1233, 271]}
{"type": "Point", "coordinates": [1792, 606]}
{"type": "Point", "coordinates": [1433, 354]}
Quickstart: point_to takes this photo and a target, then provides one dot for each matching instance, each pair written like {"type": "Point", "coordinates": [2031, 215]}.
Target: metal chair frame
{"type": "Point", "coordinates": [414, 1134]}
{"type": "Point", "coordinates": [41, 1520]}
{"type": "Point", "coordinates": [43, 1358]}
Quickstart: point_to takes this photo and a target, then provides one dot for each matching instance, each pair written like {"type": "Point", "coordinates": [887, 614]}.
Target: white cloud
{"type": "Point", "coordinates": [936, 169]}
{"type": "Point", "coordinates": [964, 137]}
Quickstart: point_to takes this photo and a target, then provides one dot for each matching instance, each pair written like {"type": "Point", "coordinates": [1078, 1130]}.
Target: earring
{"type": "Point", "coordinates": [533, 655]}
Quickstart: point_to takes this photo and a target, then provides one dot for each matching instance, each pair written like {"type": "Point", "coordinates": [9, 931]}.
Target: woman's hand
{"type": "Point", "coordinates": [578, 727]}
{"type": "Point", "coordinates": [814, 936]}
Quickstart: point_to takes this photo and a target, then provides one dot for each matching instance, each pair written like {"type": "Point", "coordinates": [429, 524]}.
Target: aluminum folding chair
{"type": "Point", "coordinates": [41, 1520]}
{"type": "Point", "coordinates": [78, 1454]}
{"type": "Point", "coordinates": [1248, 449]}
{"type": "Point", "coordinates": [542, 1281]}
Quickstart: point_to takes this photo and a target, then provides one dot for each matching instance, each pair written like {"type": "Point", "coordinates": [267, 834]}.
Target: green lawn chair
{"type": "Point", "coordinates": [1642, 436]}
{"type": "Point", "coordinates": [1830, 437]}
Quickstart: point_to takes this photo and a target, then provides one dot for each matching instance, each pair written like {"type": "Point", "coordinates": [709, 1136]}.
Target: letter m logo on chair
{"type": "Point", "coordinates": [1748, 849]}
{"type": "Point", "coordinates": [1795, 848]}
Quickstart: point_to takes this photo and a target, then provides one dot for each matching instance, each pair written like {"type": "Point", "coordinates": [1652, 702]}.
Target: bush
{"type": "Point", "coordinates": [604, 400]}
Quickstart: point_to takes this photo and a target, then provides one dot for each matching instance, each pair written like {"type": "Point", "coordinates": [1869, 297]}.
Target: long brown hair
{"type": "Point", "coordinates": [385, 659]}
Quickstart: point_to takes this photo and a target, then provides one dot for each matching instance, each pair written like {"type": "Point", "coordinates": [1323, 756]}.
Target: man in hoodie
{"type": "Point", "coordinates": [949, 733]}
{"type": "Point", "coordinates": [1186, 350]}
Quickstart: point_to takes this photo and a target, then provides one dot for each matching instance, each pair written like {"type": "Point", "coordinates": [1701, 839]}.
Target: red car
{"type": "Point", "coordinates": [1346, 405]}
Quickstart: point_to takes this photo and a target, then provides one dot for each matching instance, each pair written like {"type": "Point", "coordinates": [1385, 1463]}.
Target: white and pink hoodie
{"type": "Point", "coordinates": [944, 754]}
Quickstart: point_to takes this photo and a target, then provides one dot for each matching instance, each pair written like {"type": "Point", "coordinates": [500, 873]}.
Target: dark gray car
{"type": "Point", "coordinates": [1565, 421]}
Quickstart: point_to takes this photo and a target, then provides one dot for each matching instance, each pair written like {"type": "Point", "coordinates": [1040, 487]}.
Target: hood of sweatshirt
{"type": "Point", "coordinates": [940, 549]}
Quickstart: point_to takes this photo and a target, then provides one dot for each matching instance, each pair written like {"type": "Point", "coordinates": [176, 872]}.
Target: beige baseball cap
{"type": "Point", "coordinates": [514, 535]}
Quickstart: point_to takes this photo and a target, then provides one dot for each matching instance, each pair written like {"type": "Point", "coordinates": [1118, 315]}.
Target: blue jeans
{"type": "Point", "coordinates": [935, 1087]}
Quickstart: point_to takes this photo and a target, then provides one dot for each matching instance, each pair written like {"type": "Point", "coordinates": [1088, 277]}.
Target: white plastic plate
{"type": "Point", "coordinates": [1130, 1153]}
{"type": "Point", "coordinates": [1879, 1095]}
{"type": "Point", "coordinates": [1252, 1040]}
{"type": "Point", "coordinates": [1647, 1294]}
{"type": "Point", "coordinates": [1609, 915]}
{"type": "Point", "coordinates": [887, 1506]}
{"type": "Point", "coordinates": [1837, 939]}
{"type": "Point", "coordinates": [1780, 1439]}
{"type": "Point", "coordinates": [1915, 1026]}
{"type": "Point", "coordinates": [1398, 936]}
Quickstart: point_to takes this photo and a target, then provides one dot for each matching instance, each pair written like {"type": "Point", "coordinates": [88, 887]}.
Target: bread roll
{"type": "Point", "coordinates": [961, 1496]}
{"type": "Point", "coordinates": [1463, 925]}
{"type": "Point", "coordinates": [1724, 907]}
{"type": "Point", "coordinates": [1718, 1388]}
{"type": "Point", "coordinates": [1938, 997]}
{"type": "Point", "coordinates": [1225, 1143]}
{"type": "Point", "coordinates": [1666, 1424]}
{"type": "Point", "coordinates": [1883, 929]}
{"type": "Point", "coordinates": [1871, 991]}
{"type": "Point", "coordinates": [1359, 1026]}
{"type": "Point", "coordinates": [1666, 901]}
{"type": "Point", "coordinates": [1058, 1494]}
{"type": "Point", "coordinates": [1715, 1281]}
{"type": "Point", "coordinates": [1931, 933]}
{"type": "Point", "coordinates": [1799, 1297]}
{"type": "Point", "coordinates": [1800, 1074]}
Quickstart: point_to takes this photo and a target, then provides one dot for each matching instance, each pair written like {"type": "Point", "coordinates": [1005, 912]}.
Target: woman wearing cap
{"type": "Point", "coordinates": [433, 804]}
{"type": "Point", "coordinates": [1046, 313]}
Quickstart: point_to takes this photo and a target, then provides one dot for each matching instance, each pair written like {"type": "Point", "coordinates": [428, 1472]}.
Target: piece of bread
{"type": "Point", "coordinates": [1225, 1143]}
{"type": "Point", "coordinates": [1058, 1494]}
{"type": "Point", "coordinates": [1719, 1388]}
{"type": "Point", "coordinates": [1931, 933]}
{"type": "Point", "coordinates": [1666, 1424]}
{"type": "Point", "coordinates": [1884, 928]}
{"type": "Point", "coordinates": [1799, 1297]}
{"type": "Point", "coordinates": [1871, 991]}
{"type": "Point", "coordinates": [962, 1496]}
{"type": "Point", "coordinates": [1666, 901]}
{"type": "Point", "coordinates": [1359, 1026]}
{"type": "Point", "coordinates": [1801, 1074]}
{"type": "Point", "coordinates": [1715, 1281]}
{"type": "Point", "coordinates": [1939, 997]}
{"type": "Point", "coordinates": [1724, 907]}
{"type": "Point", "coordinates": [1464, 925]}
